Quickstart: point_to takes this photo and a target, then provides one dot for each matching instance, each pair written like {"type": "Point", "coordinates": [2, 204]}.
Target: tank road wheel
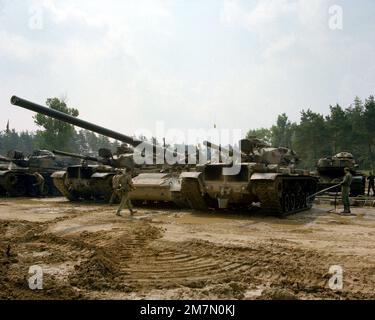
{"type": "Point", "coordinates": [286, 207]}
{"type": "Point", "coordinates": [15, 185]}
{"type": "Point", "coordinates": [292, 200]}
{"type": "Point", "coordinates": [11, 180]}
{"type": "Point", "coordinates": [303, 200]}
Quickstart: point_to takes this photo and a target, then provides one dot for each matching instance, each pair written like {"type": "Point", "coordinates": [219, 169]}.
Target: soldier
{"type": "Point", "coordinates": [115, 185]}
{"type": "Point", "coordinates": [371, 184]}
{"type": "Point", "coordinates": [39, 182]}
{"type": "Point", "coordinates": [345, 190]}
{"type": "Point", "coordinates": [84, 163]}
{"type": "Point", "coordinates": [125, 185]}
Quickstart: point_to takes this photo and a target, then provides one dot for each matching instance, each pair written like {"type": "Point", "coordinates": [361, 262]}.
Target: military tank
{"type": "Point", "coordinates": [17, 173]}
{"type": "Point", "coordinates": [263, 175]}
{"type": "Point", "coordinates": [4, 165]}
{"type": "Point", "coordinates": [153, 182]}
{"type": "Point", "coordinates": [331, 172]}
{"type": "Point", "coordinates": [92, 179]}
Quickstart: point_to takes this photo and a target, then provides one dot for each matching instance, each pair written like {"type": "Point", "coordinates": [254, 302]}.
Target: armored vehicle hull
{"type": "Point", "coordinates": [277, 192]}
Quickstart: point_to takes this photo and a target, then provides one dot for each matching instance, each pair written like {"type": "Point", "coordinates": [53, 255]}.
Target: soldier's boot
{"type": "Point", "coordinates": [346, 211]}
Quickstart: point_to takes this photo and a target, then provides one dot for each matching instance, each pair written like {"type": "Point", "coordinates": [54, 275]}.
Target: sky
{"type": "Point", "coordinates": [190, 64]}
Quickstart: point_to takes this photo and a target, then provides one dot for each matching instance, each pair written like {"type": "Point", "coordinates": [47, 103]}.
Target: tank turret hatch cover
{"type": "Point", "coordinates": [344, 155]}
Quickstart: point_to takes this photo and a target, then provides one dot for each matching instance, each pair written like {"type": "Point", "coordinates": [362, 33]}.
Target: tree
{"type": "Point", "coordinates": [262, 133]}
{"type": "Point", "coordinates": [339, 128]}
{"type": "Point", "coordinates": [310, 138]}
{"type": "Point", "coordinates": [282, 132]}
{"type": "Point", "coordinates": [55, 134]}
{"type": "Point", "coordinates": [369, 128]}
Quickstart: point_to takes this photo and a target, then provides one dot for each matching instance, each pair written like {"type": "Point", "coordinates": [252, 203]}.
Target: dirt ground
{"type": "Point", "coordinates": [86, 252]}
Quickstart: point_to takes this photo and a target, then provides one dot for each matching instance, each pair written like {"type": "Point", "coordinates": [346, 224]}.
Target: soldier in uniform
{"type": "Point", "coordinates": [125, 185]}
{"type": "Point", "coordinates": [39, 182]}
{"type": "Point", "coordinates": [345, 190]}
{"type": "Point", "coordinates": [115, 186]}
{"type": "Point", "coordinates": [371, 184]}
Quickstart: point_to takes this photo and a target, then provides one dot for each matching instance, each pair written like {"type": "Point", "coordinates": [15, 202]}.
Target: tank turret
{"type": "Point", "coordinates": [331, 172]}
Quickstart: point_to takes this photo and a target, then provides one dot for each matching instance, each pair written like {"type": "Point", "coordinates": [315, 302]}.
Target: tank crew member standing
{"type": "Point", "coordinates": [371, 184]}
{"type": "Point", "coordinates": [39, 182]}
{"type": "Point", "coordinates": [345, 190]}
{"type": "Point", "coordinates": [125, 186]}
{"type": "Point", "coordinates": [115, 186]}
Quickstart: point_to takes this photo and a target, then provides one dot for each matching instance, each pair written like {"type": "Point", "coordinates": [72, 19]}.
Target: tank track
{"type": "Point", "coordinates": [191, 192]}
{"type": "Point", "coordinates": [285, 195]}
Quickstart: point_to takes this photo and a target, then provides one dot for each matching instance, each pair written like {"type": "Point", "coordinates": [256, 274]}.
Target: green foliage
{"type": "Point", "coordinates": [23, 141]}
{"type": "Point", "coordinates": [262, 133]}
{"type": "Point", "coordinates": [55, 134]}
{"type": "Point", "coordinates": [282, 133]}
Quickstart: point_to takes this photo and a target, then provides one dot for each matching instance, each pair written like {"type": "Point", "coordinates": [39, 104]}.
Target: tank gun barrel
{"type": "Point", "coordinates": [75, 155]}
{"type": "Point", "coordinates": [17, 101]}
{"type": "Point", "coordinates": [73, 120]}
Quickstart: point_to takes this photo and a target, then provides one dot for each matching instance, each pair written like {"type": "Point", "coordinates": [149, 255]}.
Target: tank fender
{"type": "Point", "coordinates": [102, 175]}
{"type": "Point", "coordinates": [264, 176]}
{"type": "Point", "coordinates": [58, 174]}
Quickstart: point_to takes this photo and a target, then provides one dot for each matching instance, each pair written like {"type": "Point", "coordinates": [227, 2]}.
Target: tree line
{"type": "Point", "coordinates": [350, 129]}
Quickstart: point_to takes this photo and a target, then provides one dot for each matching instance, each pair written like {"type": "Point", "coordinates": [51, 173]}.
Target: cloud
{"type": "Point", "coordinates": [128, 64]}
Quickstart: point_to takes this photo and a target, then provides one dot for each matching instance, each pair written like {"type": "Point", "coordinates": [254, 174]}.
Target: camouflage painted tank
{"type": "Point", "coordinates": [262, 175]}
{"type": "Point", "coordinates": [331, 172]}
{"type": "Point", "coordinates": [94, 181]}
{"type": "Point", "coordinates": [17, 173]}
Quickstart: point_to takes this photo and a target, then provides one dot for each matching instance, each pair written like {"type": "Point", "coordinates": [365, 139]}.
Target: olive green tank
{"type": "Point", "coordinates": [17, 173]}
{"type": "Point", "coordinates": [257, 174]}
{"type": "Point", "coordinates": [331, 172]}
{"type": "Point", "coordinates": [153, 182]}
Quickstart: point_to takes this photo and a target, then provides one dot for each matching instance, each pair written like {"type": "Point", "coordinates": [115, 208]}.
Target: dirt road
{"type": "Point", "coordinates": [85, 251]}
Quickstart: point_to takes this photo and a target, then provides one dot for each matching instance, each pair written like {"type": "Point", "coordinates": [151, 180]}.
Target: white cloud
{"type": "Point", "coordinates": [127, 64]}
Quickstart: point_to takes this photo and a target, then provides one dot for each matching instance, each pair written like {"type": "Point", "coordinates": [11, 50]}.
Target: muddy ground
{"type": "Point", "coordinates": [86, 252]}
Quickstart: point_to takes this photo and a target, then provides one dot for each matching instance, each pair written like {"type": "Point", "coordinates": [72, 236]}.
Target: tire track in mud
{"type": "Point", "coordinates": [140, 260]}
{"type": "Point", "coordinates": [134, 258]}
